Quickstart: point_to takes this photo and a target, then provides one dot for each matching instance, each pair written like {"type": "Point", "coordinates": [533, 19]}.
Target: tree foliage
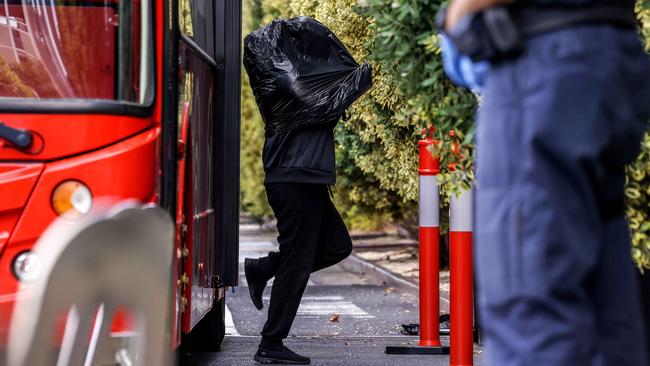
{"type": "Point", "coordinates": [253, 198]}
{"type": "Point", "coordinates": [377, 147]}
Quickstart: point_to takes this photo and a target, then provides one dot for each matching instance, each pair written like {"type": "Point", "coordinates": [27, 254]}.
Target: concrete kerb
{"type": "Point", "coordinates": [358, 265]}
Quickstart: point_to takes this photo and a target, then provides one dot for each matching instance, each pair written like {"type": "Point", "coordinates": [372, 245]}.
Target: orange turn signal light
{"type": "Point", "coordinates": [72, 199]}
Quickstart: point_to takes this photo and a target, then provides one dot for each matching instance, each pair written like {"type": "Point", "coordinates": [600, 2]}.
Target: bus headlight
{"type": "Point", "coordinates": [72, 199]}
{"type": "Point", "coordinates": [26, 266]}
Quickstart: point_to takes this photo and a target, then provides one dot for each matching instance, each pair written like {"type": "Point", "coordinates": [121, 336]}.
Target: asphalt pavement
{"type": "Point", "coordinates": [344, 318]}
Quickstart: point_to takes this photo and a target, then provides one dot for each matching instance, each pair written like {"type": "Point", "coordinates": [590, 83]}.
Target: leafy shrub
{"type": "Point", "coordinates": [377, 148]}
{"type": "Point", "coordinates": [253, 197]}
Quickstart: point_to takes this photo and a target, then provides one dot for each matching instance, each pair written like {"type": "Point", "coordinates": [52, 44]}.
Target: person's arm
{"type": "Point", "coordinates": [460, 8]}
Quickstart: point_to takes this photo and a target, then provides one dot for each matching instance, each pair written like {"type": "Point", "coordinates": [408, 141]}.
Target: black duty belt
{"type": "Point", "coordinates": [498, 32]}
{"type": "Point", "coordinates": [534, 21]}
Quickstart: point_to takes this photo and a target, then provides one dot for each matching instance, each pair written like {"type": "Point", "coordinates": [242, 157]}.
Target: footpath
{"type": "Point", "coordinates": [350, 312]}
{"type": "Point", "coordinates": [394, 260]}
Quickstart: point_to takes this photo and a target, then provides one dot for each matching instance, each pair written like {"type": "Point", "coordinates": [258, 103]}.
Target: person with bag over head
{"type": "Point", "coordinates": [303, 80]}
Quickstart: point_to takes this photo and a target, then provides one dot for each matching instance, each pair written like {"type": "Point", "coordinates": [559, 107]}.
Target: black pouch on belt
{"type": "Point", "coordinates": [498, 32]}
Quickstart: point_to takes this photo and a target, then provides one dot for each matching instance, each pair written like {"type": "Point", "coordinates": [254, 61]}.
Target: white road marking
{"type": "Point", "coordinates": [231, 330]}
{"type": "Point", "coordinates": [342, 308]}
{"type": "Point", "coordinates": [249, 227]}
{"type": "Point", "coordinates": [256, 246]}
{"type": "Point", "coordinates": [315, 298]}
{"type": "Point", "coordinates": [315, 306]}
{"type": "Point", "coordinates": [338, 337]}
{"type": "Point", "coordinates": [323, 298]}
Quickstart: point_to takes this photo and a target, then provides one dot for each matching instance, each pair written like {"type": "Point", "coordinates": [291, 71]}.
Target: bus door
{"type": "Point", "coordinates": [200, 155]}
{"type": "Point", "coordinates": [196, 94]}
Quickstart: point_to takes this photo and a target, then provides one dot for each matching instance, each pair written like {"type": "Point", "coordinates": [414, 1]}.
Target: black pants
{"type": "Point", "coordinates": [312, 237]}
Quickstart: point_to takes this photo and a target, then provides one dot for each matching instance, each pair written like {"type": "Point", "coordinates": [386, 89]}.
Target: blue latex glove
{"type": "Point", "coordinates": [460, 69]}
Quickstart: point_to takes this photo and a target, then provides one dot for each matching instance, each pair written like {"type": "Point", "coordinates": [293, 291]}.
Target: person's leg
{"type": "Point", "coordinates": [614, 289]}
{"type": "Point", "coordinates": [299, 211]}
{"type": "Point", "coordinates": [613, 286]}
{"type": "Point", "coordinates": [644, 292]}
{"type": "Point", "coordinates": [334, 244]}
{"type": "Point", "coordinates": [532, 252]}
{"type": "Point", "coordinates": [541, 135]}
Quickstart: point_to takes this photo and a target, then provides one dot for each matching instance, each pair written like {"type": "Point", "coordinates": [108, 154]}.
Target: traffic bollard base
{"type": "Point", "coordinates": [417, 350]}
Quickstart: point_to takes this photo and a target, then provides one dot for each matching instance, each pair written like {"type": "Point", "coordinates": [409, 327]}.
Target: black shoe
{"type": "Point", "coordinates": [281, 355]}
{"type": "Point", "coordinates": [255, 285]}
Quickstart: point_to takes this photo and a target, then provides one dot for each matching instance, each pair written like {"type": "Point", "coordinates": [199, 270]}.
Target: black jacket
{"type": "Point", "coordinates": [303, 155]}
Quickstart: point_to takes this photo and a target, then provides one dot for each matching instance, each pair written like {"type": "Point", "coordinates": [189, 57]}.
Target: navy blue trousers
{"type": "Point", "coordinates": [555, 129]}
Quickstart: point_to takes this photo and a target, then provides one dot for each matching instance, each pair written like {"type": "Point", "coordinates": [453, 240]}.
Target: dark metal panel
{"type": "Point", "coordinates": [227, 117]}
{"type": "Point", "coordinates": [169, 149]}
{"type": "Point", "coordinates": [198, 51]}
{"type": "Point", "coordinates": [209, 27]}
{"type": "Point", "coordinates": [196, 91]}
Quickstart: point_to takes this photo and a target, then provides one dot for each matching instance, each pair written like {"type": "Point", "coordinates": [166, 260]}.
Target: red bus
{"type": "Point", "coordinates": [134, 99]}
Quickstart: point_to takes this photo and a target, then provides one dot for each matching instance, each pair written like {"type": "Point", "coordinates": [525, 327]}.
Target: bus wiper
{"type": "Point", "coordinates": [20, 138]}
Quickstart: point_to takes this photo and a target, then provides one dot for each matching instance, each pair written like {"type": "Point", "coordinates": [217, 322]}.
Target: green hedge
{"type": "Point", "coordinates": [377, 147]}
{"type": "Point", "coordinates": [253, 197]}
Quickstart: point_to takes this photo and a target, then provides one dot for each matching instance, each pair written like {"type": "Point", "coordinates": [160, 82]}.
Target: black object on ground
{"type": "Point", "coordinates": [417, 350]}
{"type": "Point", "coordinates": [413, 329]}
{"type": "Point", "coordinates": [302, 74]}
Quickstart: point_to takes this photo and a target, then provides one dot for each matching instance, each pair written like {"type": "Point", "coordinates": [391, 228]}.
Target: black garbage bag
{"type": "Point", "coordinates": [301, 74]}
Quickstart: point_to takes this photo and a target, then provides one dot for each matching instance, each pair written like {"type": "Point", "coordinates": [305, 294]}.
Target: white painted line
{"type": "Point", "coordinates": [315, 306]}
{"type": "Point", "coordinates": [342, 308]}
{"type": "Point", "coordinates": [246, 245]}
{"type": "Point", "coordinates": [249, 227]}
{"type": "Point", "coordinates": [316, 337]}
{"type": "Point", "coordinates": [231, 330]}
{"type": "Point", "coordinates": [315, 298]}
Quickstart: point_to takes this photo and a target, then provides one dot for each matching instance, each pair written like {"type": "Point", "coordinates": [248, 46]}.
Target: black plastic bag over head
{"type": "Point", "coordinates": [301, 74]}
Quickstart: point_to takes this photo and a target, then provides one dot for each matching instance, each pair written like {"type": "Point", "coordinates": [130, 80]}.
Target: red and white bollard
{"type": "Point", "coordinates": [461, 280]}
{"type": "Point", "coordinates": [429, 218]}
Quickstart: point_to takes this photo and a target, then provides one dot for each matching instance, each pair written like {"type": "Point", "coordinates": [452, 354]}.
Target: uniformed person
{"type": "Point", "coordinates": [565, 104]}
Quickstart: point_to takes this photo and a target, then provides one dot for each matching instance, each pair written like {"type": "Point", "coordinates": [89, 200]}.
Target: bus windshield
{"type": "Point", "coordinates": [93, 49]}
